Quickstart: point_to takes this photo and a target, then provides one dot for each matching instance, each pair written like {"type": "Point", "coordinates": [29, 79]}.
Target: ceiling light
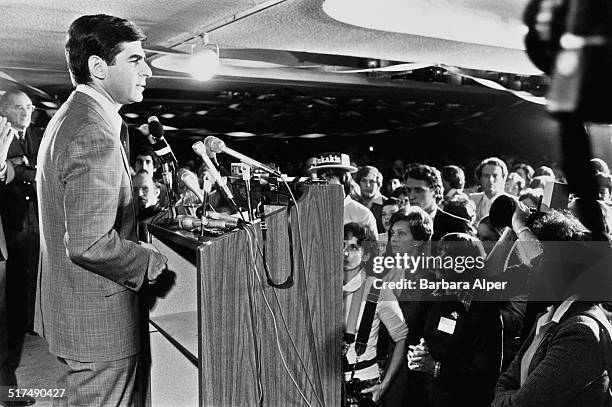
{"type": "Point", "coordinates": [204, 61]}
{"type": "Point", "coordinates": [240, 134]}
{"type": "Point", "coordinates": [168, 115]}
{"type": "Point", "coordinates": [313, 135]}
{"type": "Point", "coordinates": [131, 115]}
{"type": "Point", "coordinates": [499, 26]}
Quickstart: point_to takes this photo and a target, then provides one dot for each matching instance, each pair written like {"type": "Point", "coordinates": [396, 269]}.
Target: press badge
{"type": "Point", "coordinates": [447, 325]}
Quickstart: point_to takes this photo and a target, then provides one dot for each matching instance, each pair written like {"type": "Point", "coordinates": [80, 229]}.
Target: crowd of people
{"type": "Point", "coordinates": [435, 347]}
{"type": "Point", "coordinates": [462, 348]}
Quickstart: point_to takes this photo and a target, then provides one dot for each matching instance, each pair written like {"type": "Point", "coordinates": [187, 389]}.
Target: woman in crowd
{"type": "Point", "coordinates": [566, 359]}
{"type": "Point", "coordinates": [410, 232]}
{"type": "Point", "coordinates": [460, 348]}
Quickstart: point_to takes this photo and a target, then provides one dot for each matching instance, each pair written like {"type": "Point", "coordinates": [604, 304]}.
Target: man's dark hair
{"type": "Point", "coordinates": [454, 175]}
{"type": "Point", "coordinates": [556, 226]}
{"type": "Point", "coordinates": [144, 151]}
{"type": "Point", "coordinates": [365, 239]}
{"type": "Point", "coordinates": [401, 190]}
{"type": "Point", "coordinates": [343, 175]}
{"type": "Point", "coordinates": [462, 207]}
{"type": "Point", "coordinates": [430, 175]}
{"type": "Point", "coordinates": [100, 35]}
{"type": "Point", "coordinates": [391, 201]}
{"type": "Point", "coordinates": [491, 161]}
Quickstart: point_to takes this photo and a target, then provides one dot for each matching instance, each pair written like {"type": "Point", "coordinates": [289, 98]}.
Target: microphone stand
{"type": "Point", "coordinates": [246, 177]}
{"type": "Point", "coordinates": [168, 175]}
{"type": "Point", "coordinates": [207, 187]}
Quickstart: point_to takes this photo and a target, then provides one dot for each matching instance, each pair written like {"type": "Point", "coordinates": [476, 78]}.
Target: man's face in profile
{"type": "Point", "coordinates": [126, 78]}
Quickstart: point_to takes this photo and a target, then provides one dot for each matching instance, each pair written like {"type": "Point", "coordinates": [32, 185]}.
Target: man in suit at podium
{"type": "Point", "coordinates": [92, 266]}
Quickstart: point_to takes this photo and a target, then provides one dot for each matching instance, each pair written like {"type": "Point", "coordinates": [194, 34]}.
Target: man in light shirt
{"type": "Point", "coordinates": [491, 173]}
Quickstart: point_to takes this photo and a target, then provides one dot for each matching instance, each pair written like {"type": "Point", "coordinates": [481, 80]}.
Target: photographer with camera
{"type": "Point", "coordinates": [566, 358]}
{"type": "Point", "coordinates": [366, 305]}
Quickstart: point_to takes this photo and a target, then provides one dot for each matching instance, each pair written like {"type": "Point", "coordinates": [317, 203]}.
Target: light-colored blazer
{"type": "Point", "coordinates": [91, 266]}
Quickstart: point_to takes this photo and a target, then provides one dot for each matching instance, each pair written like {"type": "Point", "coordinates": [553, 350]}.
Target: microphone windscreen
{"type": "Point", "coordinates": [502, 209]}
{"type": "Point", "coordinates": [155, 127]}
{"type": "Point", "coordinates": [214, 145]}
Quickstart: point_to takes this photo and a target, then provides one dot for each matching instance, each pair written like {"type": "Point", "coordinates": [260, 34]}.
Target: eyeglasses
{"type": "Point", "coordinates": [26, 108]}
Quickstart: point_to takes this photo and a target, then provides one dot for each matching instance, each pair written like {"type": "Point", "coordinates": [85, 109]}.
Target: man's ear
{"type": "Point", "coordinates": [98, 68]}
{"type": "Point", "coordinates": [366, 257]}
{"type": "Point", "coordinates": [157, 192]}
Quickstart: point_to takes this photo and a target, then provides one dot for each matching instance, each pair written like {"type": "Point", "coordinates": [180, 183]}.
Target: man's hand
{"type": "Point", "coordinates": [377, 392]}
{"type": "Point", "coordinates": [155, 272]}
{"type": "Point", "coordinates": [520, 216]}
{"type": "Point", "coordinates": [6, 137]}
{"type": "Point", "coordinates": [419, 358]}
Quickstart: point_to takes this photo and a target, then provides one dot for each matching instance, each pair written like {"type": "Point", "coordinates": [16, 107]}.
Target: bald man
{"type": "Point", "coordinates": [18, 207]}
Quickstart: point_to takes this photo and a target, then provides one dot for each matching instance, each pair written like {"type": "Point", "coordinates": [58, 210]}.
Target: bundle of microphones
{"type": "Point", "coordinates": [206, 150]}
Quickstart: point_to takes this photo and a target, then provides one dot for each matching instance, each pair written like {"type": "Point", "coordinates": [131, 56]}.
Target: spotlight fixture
{"type": "Point", "coordinates": [204, 61]}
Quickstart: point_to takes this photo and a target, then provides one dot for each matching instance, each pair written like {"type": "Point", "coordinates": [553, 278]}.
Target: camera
{"type": "Point", "coordinates": [354, 387]}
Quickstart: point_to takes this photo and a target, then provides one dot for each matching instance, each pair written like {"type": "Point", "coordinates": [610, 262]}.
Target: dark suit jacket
{"type": "Point", "coordinates": [569, 368]}
{"type": "Point", "coordinates": [4, 373]}
{"type": "Point", "coordinates": [18, 198]}
{"type": "Point", "coordinates": [91, 265]}
{"type": "Point", "coordinates": [445, 223]}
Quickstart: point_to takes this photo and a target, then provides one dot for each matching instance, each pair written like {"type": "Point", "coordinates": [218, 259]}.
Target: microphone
{"type": "Point", "coordinates": [161, 146]}
{"type": "Point", "coordinates": [187, 222]}
{"type": "Point", "coordinates": [200, 149]}
{"type": "Point", "coordinates": [228, 219]}
{"type": "Point", "coordinates": [501, 211]}
{"type": "Point", "coordinates": [215, 146]}
{"type": "Point", "coordinates": [191, 182]}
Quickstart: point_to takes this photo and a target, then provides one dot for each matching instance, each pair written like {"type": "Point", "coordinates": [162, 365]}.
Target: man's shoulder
{"type": "Point", "coordinates": [79, 112]}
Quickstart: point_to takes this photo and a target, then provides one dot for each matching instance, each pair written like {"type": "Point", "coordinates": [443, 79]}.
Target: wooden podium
{"type": "Point", "coordinates": [223, 336]}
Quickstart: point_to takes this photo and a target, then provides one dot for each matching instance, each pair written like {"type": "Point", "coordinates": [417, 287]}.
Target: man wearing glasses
{"type": "Point", "coordinates": [424, 187]}
{"type": "Point", "coordinates": [18, 207]}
